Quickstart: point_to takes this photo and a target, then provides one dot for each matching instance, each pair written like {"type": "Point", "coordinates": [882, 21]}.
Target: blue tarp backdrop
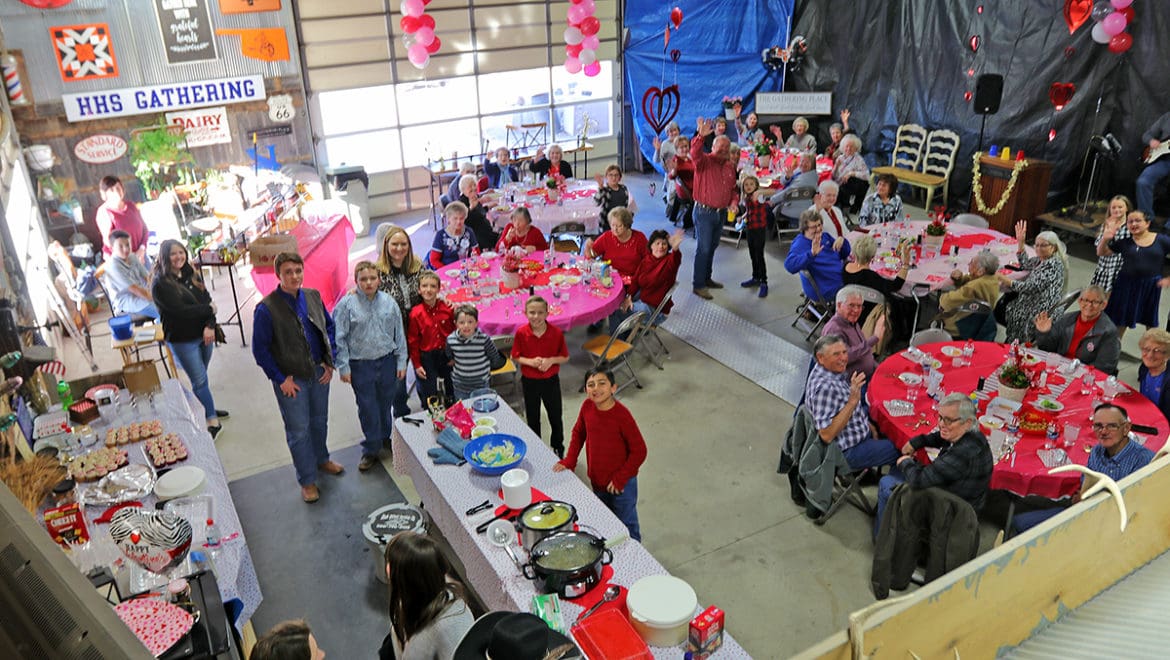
{"type": "Point", "coordinates": [719, 43]}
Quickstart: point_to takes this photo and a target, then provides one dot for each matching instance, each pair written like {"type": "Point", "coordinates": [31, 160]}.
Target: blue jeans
{"type": "Point", "coordinates": [1030, 519]}
{"type": "Point", "coordinates": [871, 453]}
{"type": "Point", "coordinates": [886, 486]}
{"type": "Point", "coordinates": [708, 224]}
{"type": "Point", "coordinates": [436, 365]}
{"type": "Point", "coordinates": [375, 386]}
{"type": "Point", "coordinates": [624, 505]}
{"type": "Point", "coordinates": [194, 357]}
{"type": "Point", "coordinates": [306, 425]}
{"type": "Point", "coordinates": [1147, 181]}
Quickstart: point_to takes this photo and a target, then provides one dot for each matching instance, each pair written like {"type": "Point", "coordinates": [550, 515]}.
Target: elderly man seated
{"type": "Point", "coordinates": [1087, 335]}
{"type": "Point", "coordinates": [127, 279]}
{"type": "Point", "coordinates": [834, 400]}
{"type": "Point", "coordinates": [979, 283]}
{"type": "Point", "coordinates": [805, 177]}
{"type": "Point", "coordinates": [846, 325]}
{"type": "Point", "coordinates": [963, 465]}
{"type": "Point", "coordinates": [1116, 455]}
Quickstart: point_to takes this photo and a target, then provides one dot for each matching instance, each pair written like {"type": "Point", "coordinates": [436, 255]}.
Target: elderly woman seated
{"type": "Point", "coordinates": [851, 173]}
{"type": "Point", "coordinates": [477, 220]}
{"type": "Point", "coordinates": [979, 283]}
{"type": "Point", "coordinates": [1152, 381]}
{"type": "Point", "coordinates": [520, 233]}
{"type": "Point", "coordinates": [859, 272]}
{"type": "Point", "coordinates": [1041, 289]}
{"type": "Point", "coordinates": [1087, 335]}
{"type": "Point", "coordinates": [554, 164]}
{"type": "Point", "coordinates": [883, 204]}
{"type": "Point", "coordinates": [818, 254]}
{"type": "Point", "coordinates": [801, 139]}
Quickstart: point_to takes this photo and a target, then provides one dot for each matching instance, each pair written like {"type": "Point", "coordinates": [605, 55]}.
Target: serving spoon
{"type": "Point", "coordinates": [611, 593]}
{"type": "Point", "coordinates": [502, 534]}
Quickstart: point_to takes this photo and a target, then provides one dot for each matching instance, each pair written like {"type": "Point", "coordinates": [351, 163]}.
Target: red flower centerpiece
{"type": "Point", "coordinates": [556, 187]}
{"type": "Point", "coordinates": [510, 268]}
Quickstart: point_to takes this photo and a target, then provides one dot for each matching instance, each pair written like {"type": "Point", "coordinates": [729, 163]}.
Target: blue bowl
{"type": "Point", "coordinates": [477, 445]}
{"type": "Point", "coordinates": [121, 327]}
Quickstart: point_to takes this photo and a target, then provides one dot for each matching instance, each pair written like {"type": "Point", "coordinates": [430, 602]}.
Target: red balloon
{"type": "Point", "coordinates": [1128, 13]}
{"type": "Point", "coordinates": [590, 26]}
{"type": "Point", "coordinates": [1120, 42]}
{"type": "Point", "coordinates": [409, 24]}
{"type": "Point", "coordinates": [1060, 94]}
{"type": "Point", "coordinates": [676, 17]}
{"type": "Point", "coordinates": [434, 47]}
{"type": "Point", "coordinates": [573, 50]}
{"type": "Point", "coordinates": [1076, 12]}
{"type": "Point", "coordinates": [426, 21]}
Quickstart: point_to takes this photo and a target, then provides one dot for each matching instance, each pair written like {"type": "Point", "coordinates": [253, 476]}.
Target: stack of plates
{"type": "Point", "coordinates": [180, 482]}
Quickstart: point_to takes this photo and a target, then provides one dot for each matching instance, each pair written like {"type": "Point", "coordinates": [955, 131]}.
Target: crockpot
{"type": "Point", "coordinates": [567, 563]}
{"type": "Point", "coordinates": [541, 519]}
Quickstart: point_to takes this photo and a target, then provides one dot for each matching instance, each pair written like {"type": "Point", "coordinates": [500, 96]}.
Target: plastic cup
{"type": "Point", "coordinates": [1071, 432]}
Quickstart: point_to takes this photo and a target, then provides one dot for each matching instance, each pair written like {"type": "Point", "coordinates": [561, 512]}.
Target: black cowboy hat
{"type": "Point", "coordinates": [512, 636]}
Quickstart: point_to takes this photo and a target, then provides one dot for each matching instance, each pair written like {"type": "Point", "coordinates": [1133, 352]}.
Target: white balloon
{"type": "Point", "coordinates": [573, 36]}
{"type": "Point", "coordinates": [587, 56]}
{"type": "Point", "coordinates": [1100, 35]}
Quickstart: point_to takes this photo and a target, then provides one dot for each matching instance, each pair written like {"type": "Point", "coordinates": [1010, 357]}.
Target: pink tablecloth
{"type": "Point", "coordinates": [1027, 476]}
{"type": "Point", "coordinates": [501, 311]}
{"type": "Point", "coordinates": [576, 205]}
{"type": "Point", "coordinates": [324, 245]}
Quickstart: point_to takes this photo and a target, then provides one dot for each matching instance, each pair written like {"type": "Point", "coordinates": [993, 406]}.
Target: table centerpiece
{"type": "Point", "coordinates": [935, 232]}
{"type": "Point", "coordinates": [1014, 382]}
{"type": "Point", "coordinates": [510, 270]}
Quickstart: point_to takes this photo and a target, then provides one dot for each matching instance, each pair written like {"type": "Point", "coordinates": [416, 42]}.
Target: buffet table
{"type": "Point", "coordinates": [501, 310]}
{"type": "Point", "coordinates": [449, 491]}
{"type": "Point", "coordinates": [323, 242]}
{"type": "Point", "coordinates": [1024, 474]}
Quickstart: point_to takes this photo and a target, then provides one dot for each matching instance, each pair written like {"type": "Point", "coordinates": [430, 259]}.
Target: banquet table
{"type": "Point", "coordinates": [447, 491]}
{"type": "Point", "coordinates": [930, 268]}
{"type": "Point", "coordinates": [501, 311]}
{"type": "Point", "coordinates": [174, 406]}
{"type": "Point", "coordinates": [323, 242]}
{"type": "Point", "coordinates": [1025, 474]}
{"type": "Point", "coordinates": [575, 205]}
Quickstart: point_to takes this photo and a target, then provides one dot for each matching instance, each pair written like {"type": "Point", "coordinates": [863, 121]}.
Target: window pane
{"type": "Point", "coordinates": [570, 88]}
{"type": "Point", "coordinates": [496, 133]}
{"type": "Point", "coordinates": [435, 100]}
{"type": "Point", "coordinates": [353, 110]}
{"type": "Point", "coordinates": [570, 119]}
{"type": "Point", "coordinates": [451, 140]}
{"type": "Point", "coordinates": [377, 151]}
{"type": "Point", "coordinates": [513, 90]}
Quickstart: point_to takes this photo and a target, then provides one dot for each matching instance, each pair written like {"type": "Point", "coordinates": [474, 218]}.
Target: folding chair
{"type": "Point", "coordinates": [929, 336]}
{"type": "Point", "coordinates": [1067, 301]}
{"type": "Point", "coordinates": [649, 330]}
{"type": "Point", "coordinates": [978, 324]}
{"type": "Point", "coordinates": [793, 202]}
{"type": "Point", "coordinates": [820, 309]}
{"type": "Point", "coordinates": [808, 450]}
{"type": "Point", "coordinates": [568, 237]}
{"type": "Point", "coordinates": [612, 352]}
{"type": "Point", "coordinates": [970, 220]}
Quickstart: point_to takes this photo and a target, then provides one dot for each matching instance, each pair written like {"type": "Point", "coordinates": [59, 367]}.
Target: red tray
{"type": "Point", "coordinates": [608, 634]}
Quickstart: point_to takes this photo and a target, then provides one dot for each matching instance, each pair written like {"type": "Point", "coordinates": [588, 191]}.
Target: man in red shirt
{"type": "Point", "coordinates": [540, 350]}
{"type": "Point", "coordinates": [713, 193]}
{"type": "Point", "coordinates": [426, 339]}
{"type": "Point", "coordinates": [117, 213]}
{"type": "Point", "coordinates": [1087, 335]}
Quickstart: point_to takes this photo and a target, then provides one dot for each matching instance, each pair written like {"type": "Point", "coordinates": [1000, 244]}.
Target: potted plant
{"type": "Point", "coordinates": [763, 154]}
{"type": "Point", "coordinates": [510, 268]}
{"type": "Point", "coordinates": [729, 103]}
{"type": "Point", "coordinates": [160, 159]}
{"type": "Point", "coordinates": [936, 231]}
{"type": "Point", "coordinates": [1013, 382]}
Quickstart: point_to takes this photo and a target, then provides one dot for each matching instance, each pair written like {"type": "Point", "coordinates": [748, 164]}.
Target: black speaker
{"type": "Point", "coordinates": [988, 92]}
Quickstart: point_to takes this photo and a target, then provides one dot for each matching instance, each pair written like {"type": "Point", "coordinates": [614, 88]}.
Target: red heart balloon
{"type": "Point", "coordinates": [659, 106]}
{"type": "Point", "coordinates": [1076, 12]}
{"type": "Point", "coordinates": [676, 17]}
{"type": "Point", "coordinates": [1060, 94]}
{"type": "Point", "coordinates": [136, 537]}
{"type": "Point", "coordinates": [974, 43]}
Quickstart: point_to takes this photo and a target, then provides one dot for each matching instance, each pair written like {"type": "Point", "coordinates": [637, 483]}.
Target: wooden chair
{"type": "Point", "coordinates": [131, 348]}
{"type": "Point", "coordinates": [612, 352]}
{"type": "Point", "coordinates": [938, 161]}
{"type": "Point", "coordinates": [503, 345]}
{"type": "Point", "coordinates": [908, 144]}
{"type": "Point", "coordinates": [526, 136]}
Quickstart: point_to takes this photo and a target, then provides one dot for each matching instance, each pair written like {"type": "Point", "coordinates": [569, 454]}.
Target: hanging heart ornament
{"type": "Point", "coordinates": [1060, 94]}
{"type": "Point", "coordinates": [155, 540]}
{"type": "Point", "coordinates": [1076, 12]}
{"type": "Point", "coordinates": [659, 106]}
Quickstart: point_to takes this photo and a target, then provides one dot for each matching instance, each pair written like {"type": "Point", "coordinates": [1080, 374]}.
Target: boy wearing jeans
{"type": "Point", "coordinates": [430, 322]}
{"type": "Point", "coordinates": [371, 356]}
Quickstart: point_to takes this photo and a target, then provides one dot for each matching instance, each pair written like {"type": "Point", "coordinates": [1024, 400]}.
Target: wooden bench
{"type": "Point", "coordinates": [928, 182]}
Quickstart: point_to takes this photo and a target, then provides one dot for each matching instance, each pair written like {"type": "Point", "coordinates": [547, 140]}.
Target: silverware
{"type": "Point", "coordinates": [484, 506]}
{"type": "Point", "coordinates": [611, 593]}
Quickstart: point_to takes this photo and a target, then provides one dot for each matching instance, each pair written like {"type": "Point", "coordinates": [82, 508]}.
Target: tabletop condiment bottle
{"type": "Point", "coordinates": [213, 536]}
{"type": "Point", "coordinates": [64, 394]}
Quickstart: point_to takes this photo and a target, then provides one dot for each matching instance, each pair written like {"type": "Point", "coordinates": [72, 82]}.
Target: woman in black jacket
{"type": "Point", "coordinates": [188, 320]}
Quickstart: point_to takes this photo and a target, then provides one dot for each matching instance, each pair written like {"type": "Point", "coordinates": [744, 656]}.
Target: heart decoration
{"type": "Point", "coordinates": [675, 55]}
{"type": "Point", "coordinates": [1060, 94]}
{"type": "Point", "coordinates": [155, 540]}
{"type": "Point", "coordinates": [1076, 12]}
{"type": "Point", "coordinates": [659, 106]}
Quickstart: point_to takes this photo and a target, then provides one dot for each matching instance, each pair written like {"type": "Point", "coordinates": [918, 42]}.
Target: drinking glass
{"type": "Point", "coordinates": [1086, 383]}
{"type": "Point", "coordinates": [912, 393]}
{"type": "Point", "coordinates": [1071, 431]}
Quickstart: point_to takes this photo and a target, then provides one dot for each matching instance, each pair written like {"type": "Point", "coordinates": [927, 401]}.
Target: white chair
{"type": "Point", "coordinates": [930, 336]}
{"type": "Point", "coordinates": [939, 160]}
{"type": "Point", "coordinates": [1067, 301]}
{"type": "Point", "coordinates": [908, 144]}
{"type": "Point", "coordinates": [970, 220]}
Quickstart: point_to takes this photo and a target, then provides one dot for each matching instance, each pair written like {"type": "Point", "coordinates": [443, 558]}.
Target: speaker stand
{"type": "Point", "coordinates": [982, 127]}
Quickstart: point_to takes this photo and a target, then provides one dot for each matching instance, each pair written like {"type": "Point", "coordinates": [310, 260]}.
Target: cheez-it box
{"type": "Point", "coordinates": [706, 634]}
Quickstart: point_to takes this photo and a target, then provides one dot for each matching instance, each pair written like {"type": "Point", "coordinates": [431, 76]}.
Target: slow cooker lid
{"type": "Point", "coordinates": [547, 515]}
{"type": "Point", "coordinates": [566, 551]}
{"type": "Point", "coordinates": [662, 600]}
{"type": "Point", "coordinates": [387, 521]}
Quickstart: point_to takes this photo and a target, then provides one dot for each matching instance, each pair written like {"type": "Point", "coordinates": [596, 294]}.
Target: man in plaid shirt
{"type": "Point", "coordinates": [834, 400]}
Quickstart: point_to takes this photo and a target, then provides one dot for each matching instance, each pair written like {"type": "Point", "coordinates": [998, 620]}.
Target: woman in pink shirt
{"type": "Point", "coordinates": [117, 213]}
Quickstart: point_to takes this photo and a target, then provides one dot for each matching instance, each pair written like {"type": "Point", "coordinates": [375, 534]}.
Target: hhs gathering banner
{"type": "Point", "coordinates": [186, 30]}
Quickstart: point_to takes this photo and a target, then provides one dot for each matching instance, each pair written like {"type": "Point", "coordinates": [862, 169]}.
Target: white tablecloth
{"type": "Point", "coordinates": [545, 216]}
{"type": "Point", "coordinates": [448, 491]}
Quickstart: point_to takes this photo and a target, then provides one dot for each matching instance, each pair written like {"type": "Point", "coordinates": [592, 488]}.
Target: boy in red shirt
{"type": "Point", "coordinates": [426, 339]}
{"type": "Point", "coordinates": [540, 350]}
{"type": "Point", "coordinates": [616, 449]}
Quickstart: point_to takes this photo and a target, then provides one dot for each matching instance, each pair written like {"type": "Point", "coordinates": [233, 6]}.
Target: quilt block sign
{"type": "Point", "coordinates": [84, 52]}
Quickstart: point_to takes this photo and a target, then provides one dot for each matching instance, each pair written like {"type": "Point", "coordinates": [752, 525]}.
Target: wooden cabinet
{"type": "Point", "coordinates": [1027, 200]}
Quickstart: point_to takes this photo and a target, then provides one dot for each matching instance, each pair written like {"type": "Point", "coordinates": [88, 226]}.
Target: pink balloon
{"type": "Point", "coordinates": [1114, 23]}
{"type": "Point", "coordinates": [573, 65]}
{"type": "Point", "coordinates": [593, 69]}
{"type": "Point", "coordinates": [573, 36]}
{"type": "Point", "coordinates": [1121, 4]}
{"type": "Point", "coordinates": [418, 55]}
{"type": "Point", "coordinates": [412, 7]}
{"type": "Point", "coordinates": [424, 36]}
{"type": "Point", "coordinates": [590, 8]}
{"type": "Point", "coordinates": [587, 57]}
{"type": "Point", "coordinates": [577, 14]}
{"type": "Point", "coordinates": [591, 42]}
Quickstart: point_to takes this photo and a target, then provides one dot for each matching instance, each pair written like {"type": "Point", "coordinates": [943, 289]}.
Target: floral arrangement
{"type": "Point", "coordinates": [732, 101]}
{"type": "Point", "coordinates": [977, 186]}
{"type": "Point", "coordinates": [762, 148]}
{"type": "Point", "coordinates": [555, 182]}
{"type": "Point", "coordinates": [511, 263]}
{"type": "Point", "coordinates": [1013, 375]}
{"type": "Point", "coordinates": [938, 223]}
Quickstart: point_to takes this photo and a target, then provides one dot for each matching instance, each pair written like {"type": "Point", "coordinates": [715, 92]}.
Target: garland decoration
{"type": "Point", "coordinates": [977, 186]}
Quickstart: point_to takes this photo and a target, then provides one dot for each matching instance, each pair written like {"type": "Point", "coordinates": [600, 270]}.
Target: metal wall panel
{"type": "Point", "coordinates": [326, 8]}
{"type": "Point", "coordinates": [342, 30]}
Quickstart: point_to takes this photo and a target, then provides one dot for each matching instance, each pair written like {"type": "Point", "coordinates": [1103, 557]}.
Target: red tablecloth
{"type": "Point", "coordinates": [501, 311]}
{"type": "Point", "coordinates": [324, 244]}
{"type": "Point", "coordinates": [1028, 476]}
{"type": "Point", "coordinates": [785, 160]}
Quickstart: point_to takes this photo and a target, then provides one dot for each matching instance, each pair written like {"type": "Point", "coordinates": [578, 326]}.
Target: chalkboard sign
{"type": "Point", "coordinates": [186, 30]}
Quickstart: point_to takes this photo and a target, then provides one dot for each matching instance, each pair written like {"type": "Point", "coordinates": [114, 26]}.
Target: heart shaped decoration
{"type": "Point", "coordinates": [155, 540]}
{"type": "Point", "coordinates": [1060, 94]}
{"type": "Point", "coordinates": [1076, 12]}
{"type": "Point", "coordinates": [659, 106]}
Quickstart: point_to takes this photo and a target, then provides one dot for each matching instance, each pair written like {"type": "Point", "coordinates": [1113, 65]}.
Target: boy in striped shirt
{"type": "Point", "coordinates": [472, 353]}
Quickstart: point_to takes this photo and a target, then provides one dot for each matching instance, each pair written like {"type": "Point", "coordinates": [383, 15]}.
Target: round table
{"type": "Point", "coordinates": [770, 176]}
{"type": "Point", "coordinates": [933, 269]}
{"type": "Point", "coordinates": [575, 205]}
{"type": "Point", "coordinates": [501, 310]}
{"type": "Point", "coordinates": [1027, 474]}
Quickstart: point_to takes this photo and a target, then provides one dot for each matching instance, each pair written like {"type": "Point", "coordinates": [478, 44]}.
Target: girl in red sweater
{"type": "Point", "coordinates": [616, 449]}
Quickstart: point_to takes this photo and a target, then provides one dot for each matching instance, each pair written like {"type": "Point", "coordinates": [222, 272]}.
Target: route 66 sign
{"type": "Point", "coordinates": [280, 108]}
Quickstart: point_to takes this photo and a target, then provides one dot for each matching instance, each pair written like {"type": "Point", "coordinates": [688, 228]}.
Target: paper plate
{"type": "Point", "coordinates": [910, 378]}
{"type": "Point", "coordinates": [180, 482]}
{"type": "Point", "coordinates": [1047, 405]}
{"type": "Point", "coordinates": [952, 351]}
{"type": "Point", "coordinates": [991, 422]}
{"type": "Point", "coordinates": [155, 623]}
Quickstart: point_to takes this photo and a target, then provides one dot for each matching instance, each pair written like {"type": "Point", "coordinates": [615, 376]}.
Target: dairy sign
{"type": "Point", "coordinates": [100, 148]}
{"type": "Point", "coordinates": [162, 98]}
{"type": "Point", "coordinates": [203, 126]}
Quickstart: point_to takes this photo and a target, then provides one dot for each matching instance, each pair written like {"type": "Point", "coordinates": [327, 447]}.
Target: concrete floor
{"type": "Point", "coordinates": [712, 507]}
